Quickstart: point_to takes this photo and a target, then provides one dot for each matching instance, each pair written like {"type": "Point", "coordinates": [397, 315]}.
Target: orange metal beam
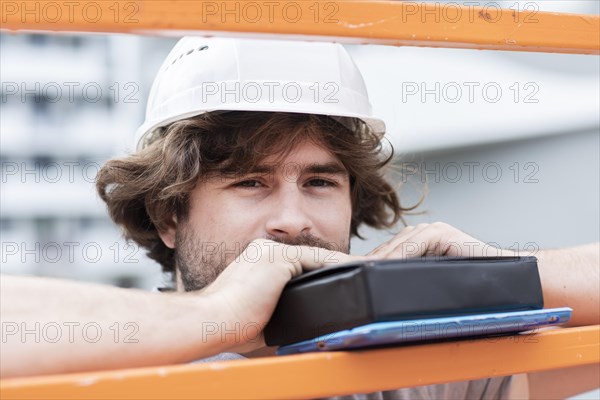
{"type": "Point", "coordinates": [326, 374]}
{"type": "Point", "coordinates": [398, 23]}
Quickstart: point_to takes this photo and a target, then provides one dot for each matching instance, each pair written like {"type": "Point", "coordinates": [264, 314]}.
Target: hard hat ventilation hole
{"type": "Point", "coordinates": [186, 54]}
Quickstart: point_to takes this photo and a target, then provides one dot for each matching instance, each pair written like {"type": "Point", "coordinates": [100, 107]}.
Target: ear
{"type": "Point", "coordinates": [168, 235]}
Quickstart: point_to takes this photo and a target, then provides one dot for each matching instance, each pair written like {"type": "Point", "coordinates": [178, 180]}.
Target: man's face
{"type": "Point", "coordinates": [302, 200]}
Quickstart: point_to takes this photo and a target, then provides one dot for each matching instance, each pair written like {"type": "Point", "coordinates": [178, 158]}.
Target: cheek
{"type": "Point", "coordinates": [221, 218]}
{"type": "Point", "coordinates": [348, 214]}
{"type": "Point", "coordinates": [335, 216]}
{"type": "Point", "coordinates": [338, 222]}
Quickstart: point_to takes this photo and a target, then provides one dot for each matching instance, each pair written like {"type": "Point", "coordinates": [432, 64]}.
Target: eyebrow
{"type": "Point", "coordinates": [331, 168]}
{"type": "Point", "coordinates": [328, 168]}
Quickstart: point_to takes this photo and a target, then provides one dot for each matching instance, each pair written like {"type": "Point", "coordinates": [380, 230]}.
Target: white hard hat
{"type": "Point", "coordinates": [228, 74]}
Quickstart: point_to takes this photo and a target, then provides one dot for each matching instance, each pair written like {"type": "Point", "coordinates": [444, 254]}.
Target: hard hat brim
{"type": "Point", "coordinates": [375, 124]}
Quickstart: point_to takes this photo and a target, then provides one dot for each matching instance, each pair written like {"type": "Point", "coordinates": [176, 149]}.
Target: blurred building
{"type": "Point", "coordinates": [507, 144]}
{"type": "Point", "coordinates": [69, 102]}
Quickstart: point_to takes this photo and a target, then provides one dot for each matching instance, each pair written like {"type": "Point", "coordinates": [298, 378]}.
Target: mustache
{"type": "Point", "coordinates": [305, 239]}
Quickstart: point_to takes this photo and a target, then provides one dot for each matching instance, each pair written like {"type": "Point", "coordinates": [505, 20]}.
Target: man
{"type": "Point", "coordinates": [258, 160]}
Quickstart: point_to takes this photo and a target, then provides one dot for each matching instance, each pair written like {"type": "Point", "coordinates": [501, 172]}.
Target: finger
{"type": "Point", "coordinates": [406, 243]}
{"type": "Point", "coordinates": [428, 242]}
{"type": "Point", "coordinates": [316, 257]}
{"type": "Point", "coordinates": [390, 244]}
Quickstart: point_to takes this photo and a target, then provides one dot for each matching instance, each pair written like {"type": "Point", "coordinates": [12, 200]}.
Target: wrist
{"type": "Point", "coordinates": [225, 329]}
{"type": "Point", "coordinates": [198, 324]}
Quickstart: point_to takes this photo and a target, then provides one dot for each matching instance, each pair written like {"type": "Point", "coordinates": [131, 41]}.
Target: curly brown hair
{"type": "Point", "coordinates": [144, 190]}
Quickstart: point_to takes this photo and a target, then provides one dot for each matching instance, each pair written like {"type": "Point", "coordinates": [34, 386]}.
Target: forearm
{"type": "Point", "coordinates": [570, 278]}
{"type": "Point", "coordinates": [51, 326]}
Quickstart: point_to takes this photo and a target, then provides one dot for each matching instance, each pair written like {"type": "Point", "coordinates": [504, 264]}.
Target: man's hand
{"type": "Point", "coordinates": [248, 289]}
{"type": "Point", "coordinates": [437, 239]}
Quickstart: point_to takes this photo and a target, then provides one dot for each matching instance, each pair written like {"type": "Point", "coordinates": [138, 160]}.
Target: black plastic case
{"type": "Point", "coordinates": [349, 295]}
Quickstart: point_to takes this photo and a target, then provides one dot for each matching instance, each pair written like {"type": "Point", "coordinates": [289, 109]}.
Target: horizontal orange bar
{"type": "Point", "coordinates": [325, 374]}
{"type": "Point", "coordinates": [397, 23]}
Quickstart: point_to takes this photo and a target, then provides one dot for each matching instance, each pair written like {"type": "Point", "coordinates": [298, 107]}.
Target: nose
{"type": "Point", "coordinates": [288, 213]}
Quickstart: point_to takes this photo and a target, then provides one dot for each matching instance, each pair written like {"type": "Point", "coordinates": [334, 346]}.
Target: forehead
{"type": "Point", "coordinates": [305, 152]}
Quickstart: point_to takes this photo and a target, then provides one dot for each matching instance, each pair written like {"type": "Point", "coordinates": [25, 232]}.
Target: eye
{"type": "Point", "coordinates": [248, 184]}
{"type": "Point", "coordinates": [321, 182]}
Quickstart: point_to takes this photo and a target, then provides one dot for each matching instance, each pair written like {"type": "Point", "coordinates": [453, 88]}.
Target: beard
{"type": "Point", "coordinates": [201, 262]}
